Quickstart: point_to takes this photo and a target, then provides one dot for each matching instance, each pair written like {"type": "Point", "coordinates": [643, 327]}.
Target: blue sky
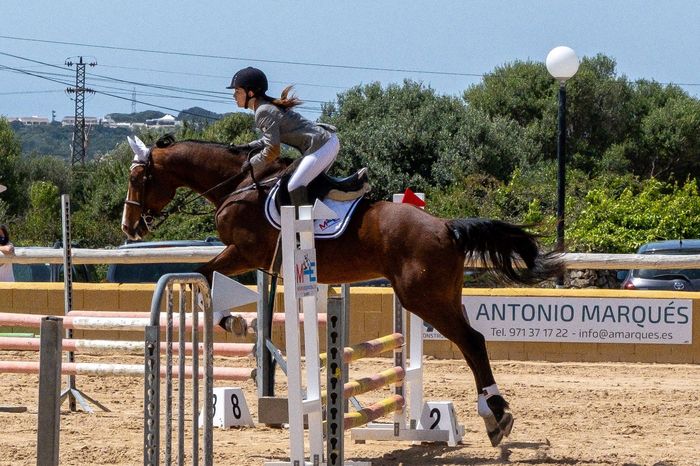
{"type": "Point", "coordinates": [445, 44]}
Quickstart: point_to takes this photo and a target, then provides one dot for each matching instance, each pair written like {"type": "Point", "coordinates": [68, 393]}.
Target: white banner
{"type": "Point", "coordinates": [581, 320]}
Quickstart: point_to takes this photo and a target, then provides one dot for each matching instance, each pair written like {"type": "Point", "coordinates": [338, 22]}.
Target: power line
{"type": "Point", "coordinates": [108, 94]}
{"type": "Point", "coordinates": [31, 92]}
{"type": "Point", "coordinates": [218, 76]}
{"type": "Point", "coordinates": [190, 91]}
{"type": "Point", "coordinates": [260, 60]}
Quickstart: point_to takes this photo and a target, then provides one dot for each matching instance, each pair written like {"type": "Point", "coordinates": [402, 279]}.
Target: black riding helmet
{"type": "Point", "coordinates": [250, 79]}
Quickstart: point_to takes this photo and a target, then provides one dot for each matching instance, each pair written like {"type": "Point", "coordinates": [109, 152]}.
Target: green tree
{"type": "Point", "coordinates": [234, 128]}
{"type": "Point", "coordinates": [42, 224]}
{"type": "Point", "coordinates": [409, 136]}
{"type": "Point", "coordinates": [10, 152]}
{"type": "Point", "coordinates": [612, 124]}
{"type": "Point", "coordinates": [99, 203]}
{"type": "Point", "coordinates": [617, 221]}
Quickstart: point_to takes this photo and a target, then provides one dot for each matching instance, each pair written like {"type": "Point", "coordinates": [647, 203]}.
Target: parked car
{"type": "Point", "coordinates": [52, 272]}
{"type": "Point", "coordinates": [151, 273]}
{"type": "Point", "coordinates": [687, 279]}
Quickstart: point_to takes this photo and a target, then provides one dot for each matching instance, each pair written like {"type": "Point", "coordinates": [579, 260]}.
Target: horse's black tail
{"type": "Point", "coordinates": [506, 249]}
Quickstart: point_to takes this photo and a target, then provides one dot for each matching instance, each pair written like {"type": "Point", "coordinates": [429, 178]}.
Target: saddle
{"type": "Point", "coordinates": [327, 187]}
{"type": "Point", "coordinates": [351, 190]}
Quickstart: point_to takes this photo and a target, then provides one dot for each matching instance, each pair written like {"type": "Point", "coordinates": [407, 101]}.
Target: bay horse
{"type": "Point", "coordinates": [422, 256]}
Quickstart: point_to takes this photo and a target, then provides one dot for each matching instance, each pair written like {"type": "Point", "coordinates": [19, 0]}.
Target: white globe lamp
{"type": "Point", "coordinates": [562, 63]}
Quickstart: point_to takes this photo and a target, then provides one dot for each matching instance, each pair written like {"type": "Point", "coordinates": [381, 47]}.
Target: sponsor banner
{"type": "Point", "coordinates": [581, 320]}
{"type": "Point", "coordinates": [429, 333]}
{"type": "Point", "coordinates": [305, 273]}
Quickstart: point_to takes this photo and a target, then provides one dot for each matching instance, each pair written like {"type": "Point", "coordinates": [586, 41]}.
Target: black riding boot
{"type": "Point", "coordinates": [298, 197]}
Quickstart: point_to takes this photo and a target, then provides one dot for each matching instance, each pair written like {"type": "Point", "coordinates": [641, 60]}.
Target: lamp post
{"type": "Point", "coordinates": [562, 64]}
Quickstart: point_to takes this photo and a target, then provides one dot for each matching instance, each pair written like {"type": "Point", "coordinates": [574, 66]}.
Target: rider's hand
{"type": "Point", "coordinates": [256, 163]}
{"type": "Point", "coordinates": [245, 167]}
{"type": "Point", "coordinates": [246, 148]}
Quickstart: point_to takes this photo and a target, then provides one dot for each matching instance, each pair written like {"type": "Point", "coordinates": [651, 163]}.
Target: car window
{"type": "Point", "coordinates": [146, 273]}
{"type": "Point", "coordinates": [690, 274]}
{"type": "Point", "coordinates": [81, 273]}
{"type": "Point", "coordinates": [32, 272]}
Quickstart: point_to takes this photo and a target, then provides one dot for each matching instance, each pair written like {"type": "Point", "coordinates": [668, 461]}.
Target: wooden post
{"type": "Point", "coordinates": [49, 418]}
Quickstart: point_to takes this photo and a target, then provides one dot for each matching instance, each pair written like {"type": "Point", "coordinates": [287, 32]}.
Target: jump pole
{"type": "Point", "coordinates": [109, 346]}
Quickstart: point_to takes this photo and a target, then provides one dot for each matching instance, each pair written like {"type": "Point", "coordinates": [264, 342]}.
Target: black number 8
{"type": "Point", "coordinates": [236, 406]}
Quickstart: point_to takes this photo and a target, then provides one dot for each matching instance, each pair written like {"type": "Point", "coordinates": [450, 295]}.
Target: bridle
{"type": "Point", "coordinates": [153, 220]}
{"type": "Point", "coordinates": [147, 215]}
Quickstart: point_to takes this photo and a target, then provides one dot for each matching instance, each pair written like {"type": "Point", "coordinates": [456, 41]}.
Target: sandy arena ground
{"type": "Point", "coordinates": [591, 414]}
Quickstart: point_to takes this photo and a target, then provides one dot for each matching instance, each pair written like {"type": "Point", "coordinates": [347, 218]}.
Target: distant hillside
{"type": "Point", "coordinates": [193, 115]}
{"type": "Point", "coordinates": [138, 117]}
{"type": "Point", "coordinates": [55, 139]}
{"type": "Point", "coordinates": [199, 115]}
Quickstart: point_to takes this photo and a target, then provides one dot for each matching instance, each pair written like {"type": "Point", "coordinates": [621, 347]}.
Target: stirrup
{"type": "Point", "coordinates": [276, 264]}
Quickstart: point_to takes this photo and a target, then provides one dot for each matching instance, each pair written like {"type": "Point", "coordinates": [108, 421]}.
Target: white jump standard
{"type": "Point", "coordinates": [437, 421]}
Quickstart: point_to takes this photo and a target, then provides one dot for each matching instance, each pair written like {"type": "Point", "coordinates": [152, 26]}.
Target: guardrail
{"type": "Point", "coordinates": [205, 253]}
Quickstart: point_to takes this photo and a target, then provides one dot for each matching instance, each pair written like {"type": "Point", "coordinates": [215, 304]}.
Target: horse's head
{"type": "Point", "coordinates": [149, 192]}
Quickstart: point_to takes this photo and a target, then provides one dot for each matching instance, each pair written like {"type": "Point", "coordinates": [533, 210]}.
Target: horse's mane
{"type": "Point", "coordinates": [168, 140]}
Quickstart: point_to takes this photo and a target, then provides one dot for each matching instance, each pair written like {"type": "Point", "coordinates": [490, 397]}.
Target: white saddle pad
{"type": "Point", "coordinates": [329, 228]}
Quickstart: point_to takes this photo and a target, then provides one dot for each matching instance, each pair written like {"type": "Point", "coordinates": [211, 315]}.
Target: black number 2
{"type": "Point", "coordinates": [436, 412]}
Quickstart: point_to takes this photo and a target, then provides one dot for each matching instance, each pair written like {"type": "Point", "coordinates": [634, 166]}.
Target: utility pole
{"type": "Point", "coordinates": [79, 143]}
{"type": "Point", "coordinates": [133, 101]}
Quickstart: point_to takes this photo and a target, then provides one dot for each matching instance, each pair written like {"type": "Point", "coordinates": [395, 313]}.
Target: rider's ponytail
{"type": "Point", "coordinates": [286, 101]}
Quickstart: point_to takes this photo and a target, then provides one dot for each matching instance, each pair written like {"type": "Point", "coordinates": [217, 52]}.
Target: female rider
{"type": "Point", "coordinates": [280, 124]}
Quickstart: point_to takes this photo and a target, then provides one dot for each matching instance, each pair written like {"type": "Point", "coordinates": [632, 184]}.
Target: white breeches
{"type": "Point", "coordinates": [315, 163]}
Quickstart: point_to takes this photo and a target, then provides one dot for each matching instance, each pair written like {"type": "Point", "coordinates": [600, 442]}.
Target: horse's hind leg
{"type": "Point", "coordinates": [491, 406]}
{"type": "Point", "coordinates": [446, 316]}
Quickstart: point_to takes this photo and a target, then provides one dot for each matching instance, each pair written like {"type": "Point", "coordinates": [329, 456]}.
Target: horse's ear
{"type": "Point", "coordinates": [139, 148]}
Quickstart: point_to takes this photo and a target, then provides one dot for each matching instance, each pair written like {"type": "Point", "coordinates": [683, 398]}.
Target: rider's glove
{"type": "Point", "coordinates": [256, 163]}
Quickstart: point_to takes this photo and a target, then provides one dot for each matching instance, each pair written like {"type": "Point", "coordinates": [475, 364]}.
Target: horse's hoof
{"type": "Point", "coordinates": [506, 424]}
{"type": "Point", "coordinates": [495, 436]}
{"type": "Point", "coordinates": [235, 324]}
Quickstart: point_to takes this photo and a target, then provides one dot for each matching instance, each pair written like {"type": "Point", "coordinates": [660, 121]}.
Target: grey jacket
{"type": "Point", "coordinates": [287, 127]}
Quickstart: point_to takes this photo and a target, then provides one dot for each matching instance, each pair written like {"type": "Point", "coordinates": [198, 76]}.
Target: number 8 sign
{"type": "Point", "coordinates": [230, 409]}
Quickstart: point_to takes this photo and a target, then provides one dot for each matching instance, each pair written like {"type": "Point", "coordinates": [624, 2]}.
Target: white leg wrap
{"type": "Point", "coordinates": [218, 316]}
{"type": "Point", "coordinates": [489, 391]}
{"type": "Point", "coordinates": [481, 406]}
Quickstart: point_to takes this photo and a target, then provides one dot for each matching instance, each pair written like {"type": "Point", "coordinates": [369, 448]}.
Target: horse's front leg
{"type": "Point", "coordinates": [229, 262]}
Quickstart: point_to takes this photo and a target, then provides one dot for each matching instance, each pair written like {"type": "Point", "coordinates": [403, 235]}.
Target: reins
{"type": "Point", "coordinates": [153, 220]}
{"type": "Point", "coordinates": [193, 196]}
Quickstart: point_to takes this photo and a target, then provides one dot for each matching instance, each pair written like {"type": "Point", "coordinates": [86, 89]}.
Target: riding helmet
{"type": "Point", "coordinates": [250, 79]}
